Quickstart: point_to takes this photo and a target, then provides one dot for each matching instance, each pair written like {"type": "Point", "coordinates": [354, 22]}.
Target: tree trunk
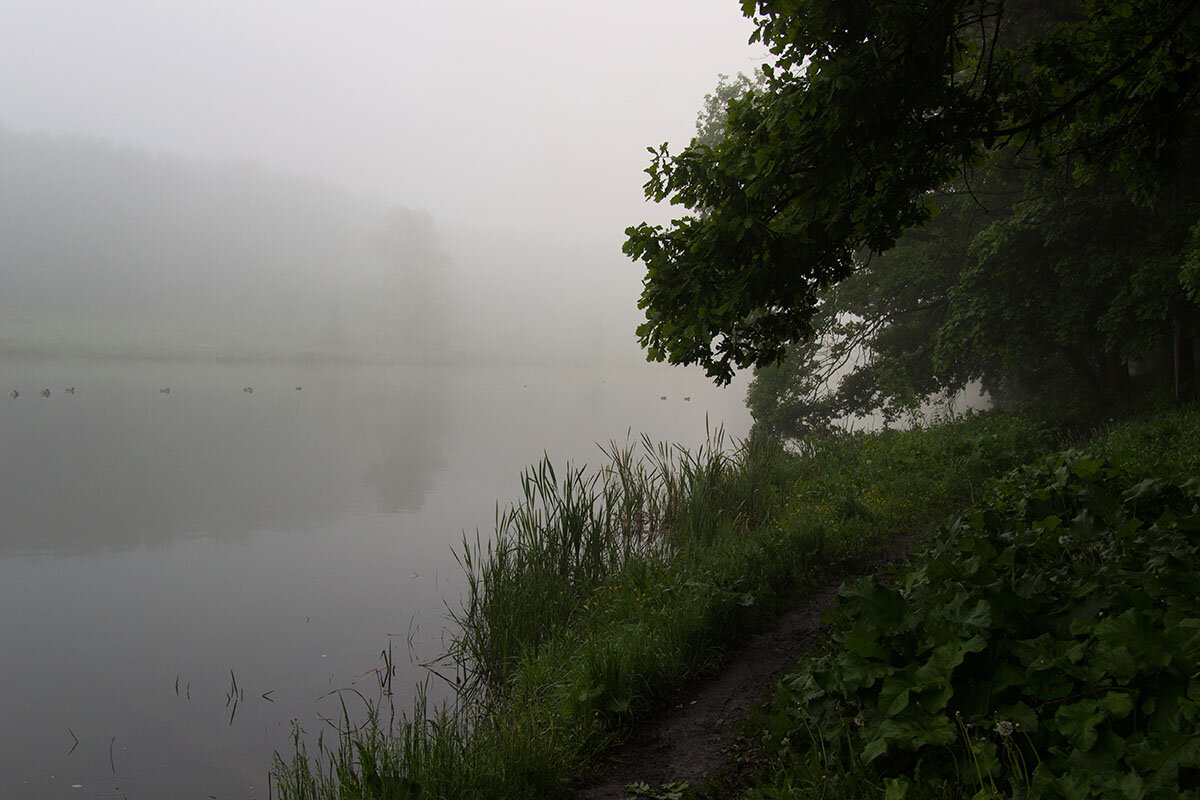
{"type": "Point", "coordinates": [1185, 364]}
{"type": "Point", "coordinates": [1083, 369]}
{"type": "Point", "coordinates": [1116, 374]}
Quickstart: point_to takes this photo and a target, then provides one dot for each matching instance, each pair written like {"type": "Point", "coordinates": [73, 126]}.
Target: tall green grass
{"type": "Point", "coordinates": [1165, 444]}
{"type": "Point", "coordinates": [602, 592]}
{"type": "Point", "coordinates": [567, 536]}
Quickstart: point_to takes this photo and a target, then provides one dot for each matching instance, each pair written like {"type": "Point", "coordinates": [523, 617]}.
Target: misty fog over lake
{"type": "Point", "coordinates": [113, 251]}
{"type": "Point", "coordinates": [289, 296]}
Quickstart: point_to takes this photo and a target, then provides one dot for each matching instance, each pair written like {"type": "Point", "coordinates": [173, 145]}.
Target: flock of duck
{"type": "Point", "coordinates": [167, 390]}
{"type": "Point", "coordinates": [14, 394]}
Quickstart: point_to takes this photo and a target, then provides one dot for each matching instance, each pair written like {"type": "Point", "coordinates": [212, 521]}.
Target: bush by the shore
{"type": "Point", "coordinates": [1045, 643]}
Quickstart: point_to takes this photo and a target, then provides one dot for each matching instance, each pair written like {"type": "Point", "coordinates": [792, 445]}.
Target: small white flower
{"type": "Point", "coordinates": [860, 720]}
{"type": "Point", "coordinates": [1005, 728]}
{"type": "Point", "coordinates": [785, 742]}
{"type": "Point", "coordinates": [1064, 540]}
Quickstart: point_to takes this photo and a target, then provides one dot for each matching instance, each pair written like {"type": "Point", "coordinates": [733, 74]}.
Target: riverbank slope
{"type": "Point", "coordinates": [602, 595]}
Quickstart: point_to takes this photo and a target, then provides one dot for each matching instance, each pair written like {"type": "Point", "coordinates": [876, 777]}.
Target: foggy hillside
{"type": "Point", "coordinates": [107, 249]}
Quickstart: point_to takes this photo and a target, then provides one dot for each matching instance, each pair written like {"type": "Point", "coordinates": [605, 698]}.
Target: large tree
{"type": "Point", "coordinates": [1041, 290]}
{"type": "Point", "coordinates": [867, 110]}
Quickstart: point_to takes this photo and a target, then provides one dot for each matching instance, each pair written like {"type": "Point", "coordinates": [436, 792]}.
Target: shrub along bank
{"type": "Point", "coordinates": [1045, 643]}
{"type": "Point", "coordinates": [601, 593]}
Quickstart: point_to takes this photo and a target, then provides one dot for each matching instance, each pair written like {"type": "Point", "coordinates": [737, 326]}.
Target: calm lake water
{"type": "Point", "coordinates": [156, 547]}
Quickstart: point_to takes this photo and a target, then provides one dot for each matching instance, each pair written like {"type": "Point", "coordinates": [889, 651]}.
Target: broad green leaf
{"type": "Point", "coordinates": [864, 641]}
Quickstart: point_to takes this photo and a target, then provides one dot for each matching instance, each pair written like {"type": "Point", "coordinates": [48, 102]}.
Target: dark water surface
{"type": "Point", "coordinates": [155, 547]}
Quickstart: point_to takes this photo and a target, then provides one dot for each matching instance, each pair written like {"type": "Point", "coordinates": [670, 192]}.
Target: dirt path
{"type": "Point", "coordinates": [690, 740]}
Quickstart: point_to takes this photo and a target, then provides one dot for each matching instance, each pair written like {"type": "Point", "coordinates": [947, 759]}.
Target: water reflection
{"type": "Point", "coordinates": [155, 544]}
{"type": "Point", "coordinates": [123, 462]}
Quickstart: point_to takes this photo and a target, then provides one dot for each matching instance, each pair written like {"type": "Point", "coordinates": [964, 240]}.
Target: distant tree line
{"type": "Point", "coordinates": [124, 247]}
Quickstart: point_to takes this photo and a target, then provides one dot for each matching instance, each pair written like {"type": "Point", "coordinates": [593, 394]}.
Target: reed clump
{"type": "Point", "coordinates": [566, 537]}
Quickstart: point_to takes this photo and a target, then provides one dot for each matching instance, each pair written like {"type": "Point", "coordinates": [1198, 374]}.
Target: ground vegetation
{"type": "Point", "coordinates": [603, 594]}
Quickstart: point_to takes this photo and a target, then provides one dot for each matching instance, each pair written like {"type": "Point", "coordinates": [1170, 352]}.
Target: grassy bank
{"type": "Point", "coordinates": [602, 593]}
{"type": "Point", "coordinates": [1044, 643]}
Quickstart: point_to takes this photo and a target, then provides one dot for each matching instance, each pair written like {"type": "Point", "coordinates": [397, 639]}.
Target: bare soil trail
{"type": "Point", "coordinates": [690, 740]}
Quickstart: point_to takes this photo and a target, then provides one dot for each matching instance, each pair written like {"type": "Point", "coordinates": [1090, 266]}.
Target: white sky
{"type": "Point", "coordinates": [524, 116]}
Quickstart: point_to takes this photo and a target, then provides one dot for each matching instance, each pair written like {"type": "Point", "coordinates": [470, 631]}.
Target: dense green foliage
{"type": "Point", "coordinates": [1043, 291]}
{"type": "Point", "coordinates": [871, 108]}
{"type": "Point", "coordinates": [1044, 644]}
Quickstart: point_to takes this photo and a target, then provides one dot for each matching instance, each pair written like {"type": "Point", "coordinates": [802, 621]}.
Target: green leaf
{"type": "Point", "coordinates": [1079, 721]}
{"type": "Point", "coordinates": [1140, 632]}
{"type": "Point", "coordinates": [944, 659]}
{"type": "Point", "coordinates": [864, 641]}
{"type": "Point", "coordinates": [873, 750]}
{"type": "Point", "coordinates": [893, 697]}
{"type": "Point", "coordinates": [1133, 787]}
